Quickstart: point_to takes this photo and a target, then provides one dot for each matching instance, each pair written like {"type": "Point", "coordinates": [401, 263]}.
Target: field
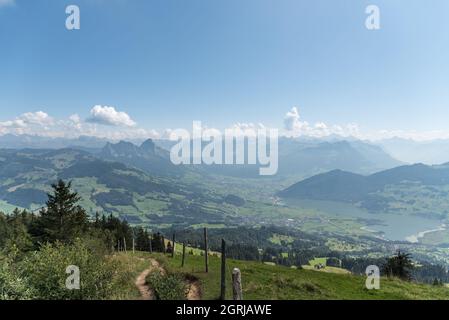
{"type": "Point", "coordinates": [323, 262]}
{"type": "Point", "coordinates": [261, 281]}
{"type": "Point", "coordinates": [131, 265]}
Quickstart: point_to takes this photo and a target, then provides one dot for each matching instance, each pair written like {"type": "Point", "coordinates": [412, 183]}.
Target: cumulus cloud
{"type": "Point", "coordinates": [25, 120]}
{"type": "Point", "coordinates": [75, 121]}
{"type": "Point", "coordinates": [75, 118]}
{"type": "Point", "coordinates": [41, 124]}
{"type": "Point", "coordinates": [109, 116]}
{"type": "Point", "coordinates": [108, 123]}
{"type": "Point", "coordinates": [246, 129]}
{"type": "Point", "coordinates": [17, 123]}
{"type": "Point", "coordinates": [39, 118]}
{"type": "Point", "coordinates": [292, 121]}
{"type": "Point", "coordinates": [295, 127]}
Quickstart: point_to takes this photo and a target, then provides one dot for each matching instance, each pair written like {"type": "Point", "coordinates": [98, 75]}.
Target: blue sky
{"type": "Point", "coordinates": [165, 63]}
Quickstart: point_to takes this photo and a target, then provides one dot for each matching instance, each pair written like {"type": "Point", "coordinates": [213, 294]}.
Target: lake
{"type": "Point", "coordinates": [394, 226]}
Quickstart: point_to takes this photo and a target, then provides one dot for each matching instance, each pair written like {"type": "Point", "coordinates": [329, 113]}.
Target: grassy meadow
{"type": "Point", "coordinates": [262, 281]}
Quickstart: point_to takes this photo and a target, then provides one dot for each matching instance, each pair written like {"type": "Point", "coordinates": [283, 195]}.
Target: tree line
{"type": "Point", "coordinates": [37, 247]}
{"type": "Point", "coordinates": [63, 220]}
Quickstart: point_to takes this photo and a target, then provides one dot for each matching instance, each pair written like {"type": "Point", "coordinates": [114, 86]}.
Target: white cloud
{"type": "Point", "coordinates": [295, 127]}
{"type": "Point", "coordinates": [17, 123]}
{"type": "Point", "coordinates": [41, 124]}
{"type": "Point", "coordinates": [28, 119]}
{"type": "Point", "coordinates": [75, 118]}
{"type": "Point", "coordinates": [292, 121]}
{"type": "Point", "coordinates": [39, 118]}
{"type": "Point", "coordinates": [75, 121]}
{"type": "Point", "coordinates": [109, 116]}
{"type": "Point", "coordinates": [246, 129]}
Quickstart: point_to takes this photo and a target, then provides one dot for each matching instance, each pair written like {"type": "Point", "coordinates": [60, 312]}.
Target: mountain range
{"type": "Point", "coordinates": [138, 181]}
{"type": "Point", "coordinates": [418, 188]}
{"type": "Point", "coordinates": [147, 157]}
{"type": "Point", "coordinates": [411, 151]}
{"type": "Point", "coordinates": [297, 156]}
{"type": "Point", "coordinates": [305, 157]}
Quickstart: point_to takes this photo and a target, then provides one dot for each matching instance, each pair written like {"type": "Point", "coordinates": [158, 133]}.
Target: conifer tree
{"type": "Point", "coordinates": [63, 219]}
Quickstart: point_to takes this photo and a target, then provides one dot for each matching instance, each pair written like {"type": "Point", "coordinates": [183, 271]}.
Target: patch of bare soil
{"type": "Point", "coordinates": [146, 293]}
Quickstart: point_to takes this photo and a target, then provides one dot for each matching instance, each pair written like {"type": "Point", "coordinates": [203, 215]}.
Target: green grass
{"type": "Point", "coordinates": [190, 250]}
{"type": "Point", "coordinates": [131, 265]}
{"type": "Point", "coordinates": [328, 270]}
{"type": "Point", "coordinates": [261, 281]}
{"type": "Point", "coordinates": [316, 261]}
{"type": "Point", "coordinates": [279, 238]}
{"type": "Point", "coordinates": [208, 225]}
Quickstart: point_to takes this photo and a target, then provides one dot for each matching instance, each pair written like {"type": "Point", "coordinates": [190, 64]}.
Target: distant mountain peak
{"type": "Point", "coordinates": [148, 146]}
{"type": "Point", "coordinates": [344, 186]}
{"type": "Point", "coordinates": [147, 157]}
{"type": "Point", "coordinates": [122, 148]}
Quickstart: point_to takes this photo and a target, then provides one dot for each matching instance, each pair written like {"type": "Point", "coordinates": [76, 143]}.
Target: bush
{"type": "Point", "coordinates": [169, 287]}
{"type": "Point", "coordinates": [12, 285]}
{"type": "Point", "coordinates": [46, 272]}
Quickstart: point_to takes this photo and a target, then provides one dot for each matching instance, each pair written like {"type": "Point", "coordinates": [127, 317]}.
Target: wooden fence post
{"type": "Point", "coordinates": [173, 246]}
{"type": "Point", "coordinates": [183, 254]}
{"type": "Point", "coordinates": [206, 251]}
{"type": "Point", "coordinates": [223, 270]}
{"type": "Point", "coordinates": [133, 245]}
{"type": "Point", "coordinates": [237, 284]}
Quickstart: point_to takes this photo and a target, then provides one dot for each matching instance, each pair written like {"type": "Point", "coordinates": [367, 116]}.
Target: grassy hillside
{"type": "Point", "coordinates": [261, 281]}
{"type": "Point", "coordinates": [107, 188]}
{"type": "Point", "coordinates": [415, 189]}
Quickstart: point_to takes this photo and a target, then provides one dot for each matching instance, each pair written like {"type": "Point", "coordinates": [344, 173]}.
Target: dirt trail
{"type": "Point", "coordinates": [147, 293]}
{"type": "Point", "coordinates": [194, 292]}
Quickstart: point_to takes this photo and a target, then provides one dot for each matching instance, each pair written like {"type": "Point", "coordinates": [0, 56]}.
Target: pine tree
{"type": "Point", "coordinates": [158, 243]}
{"type": "Point", "coordinates": [63, 219]}
{"type": "Point", "coordinates": [142, 239]}
{"type": "Point", "coordinates": [400, 266]}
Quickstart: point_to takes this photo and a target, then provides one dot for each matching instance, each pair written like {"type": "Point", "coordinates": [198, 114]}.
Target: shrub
{"type": "Point", "coordinates": [46, 272]}
{"type": "Point", "coordinates": [169, 287]}
{"type": "Point", "coordinates": [12, 285]}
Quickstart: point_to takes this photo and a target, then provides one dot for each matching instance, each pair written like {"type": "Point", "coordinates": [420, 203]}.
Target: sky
{"type": "Point", "coordinates": [139, 67]}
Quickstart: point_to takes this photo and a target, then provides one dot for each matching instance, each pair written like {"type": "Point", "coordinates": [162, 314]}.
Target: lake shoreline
{"type": "Point", "coordinates": [415, 237]}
